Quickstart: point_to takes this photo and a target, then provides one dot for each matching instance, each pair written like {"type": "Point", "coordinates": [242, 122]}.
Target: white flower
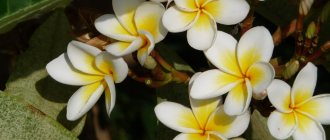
{"type": "Point", "coordinates": [243, 69]}
{"type": "Point", "coordinates": [298, 113]}
{"type": "Point", "coordinates": [136, 25]}
{"type": "Point", "coordinates": [96, 71]}
{"type": "Point", "coordinates": [205, 121]}
{"type": "Point", "coordinates": [199, 17]}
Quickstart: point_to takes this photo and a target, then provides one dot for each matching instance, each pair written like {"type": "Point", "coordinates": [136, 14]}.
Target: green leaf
{"type": "Point", "coordinates": [14, 11]}
{"type": "Point", "coordinates": [279, 12]}
{"type": "Point", "coordinates": [30, 80]}
{"type": "Point", "coordinates": [19, 120]}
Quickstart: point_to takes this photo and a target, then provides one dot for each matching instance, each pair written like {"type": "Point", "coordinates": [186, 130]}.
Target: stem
{"type": "Point", "coordinates": [177, 76]}
{"type": "Point", "coordinates": [318, 53]}
{"type": "Point", "coordinates": [161, 61]}
{"type": "Point", "coordinates": [148, 81]}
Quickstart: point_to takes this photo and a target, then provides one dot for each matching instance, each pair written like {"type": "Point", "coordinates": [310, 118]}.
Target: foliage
{"type": "Point", "coordinates": [20, 120]}
{"type": "Point", "coordinates": [30, 80]}
{"type": "Point", "coordinates": [14, 11]}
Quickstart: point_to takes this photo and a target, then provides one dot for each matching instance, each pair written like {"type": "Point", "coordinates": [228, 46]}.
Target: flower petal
{"type": "Point", "coordinates": [124, 11]}
{"type": "Point", "coordinates": [318, 108]}
{"type": "Point", "coordinates": [123, 48]}
{"type": "Point", "coordinates": [192, 79]}
{"type": "Point", "coordinates": [279, 95]}
{"type": "Point", "coordinates": [177, 117]}
{"type": "Point", "coordinates": [83, 100]}
{"type": "Point", "coordinates": [308, 129]}
{"type": "Point", "coordinates": [109, 26]}
{"type": "Point", "coordinates": [202, 34]}
{"type": "Point", "coordinates": [304, 84]}
{"type": "Point", "coordinates": [260, 75]}
{"type": "Point", "coordinates": [222, 54]}
{"type": "Point", "coordinates": [151, 21]}
{"type": "Point", "coordinates": [228, 12]}
{"type": "Point", "coordinates": [282, 125]}
{"type": "Point", "coordinates": [213, 83]}
{"type": "Point", "coordinates": [238, 99]}
{"type": "Point", "coordinates": [145, 50]}
{"type": "Point", "coordinates": [255, 45]}
{"type": "Point", "coordinates": [214, 135]}
{"type": "Point", "coordinates": [82, 57]}
{"type": "Point", "coordinates": [228, 126]}
{"type": "Point", "coordinates": [186, 5]}
{"type": "Point", "coordinates": [114, 66]}
{"type": "Point", "coordinates": [110, 94]}
{"type": "Point", "coordinates": [62, 71]}
{"type": "Point", "coordinates": [175, 20]}
{"type": "Point", "coordinates": [184, 136]}
{"type": "Point", "coordinates": [202, 109]}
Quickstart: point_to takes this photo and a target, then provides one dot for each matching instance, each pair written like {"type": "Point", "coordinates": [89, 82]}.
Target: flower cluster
{"type": "Point", "coordinates": [242, 70]}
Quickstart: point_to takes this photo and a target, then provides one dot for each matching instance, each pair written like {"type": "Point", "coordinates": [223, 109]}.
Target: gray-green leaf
{"type": "Point", "coordinates": [30, 80]}
{"type": "Point", "coordinates": [19, 120]}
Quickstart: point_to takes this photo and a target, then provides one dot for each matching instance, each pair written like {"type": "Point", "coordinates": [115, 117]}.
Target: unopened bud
{"type": "Point", "coordinates": [310, 33]}
{"type": "Point", "coordinates": [150, 63]}
{"type": "Point", "coordinates": [290, 69]}
{"type": "Point", "coordinates": [305, 6]}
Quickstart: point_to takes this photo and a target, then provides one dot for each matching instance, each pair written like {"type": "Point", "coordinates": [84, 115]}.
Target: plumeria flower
{"type": "Point", "coordinates": [243, 69]}
{"type": "Point", "coordinates": [298, 113]}
{"type": "Point", "coordinates": [136, 25]}
{"type": "Point", "coordinates": [199, 17]}
{"type": "Point", "coordinates": [96, 71]}
{"type": "Point", "coordinates": [205, 121]}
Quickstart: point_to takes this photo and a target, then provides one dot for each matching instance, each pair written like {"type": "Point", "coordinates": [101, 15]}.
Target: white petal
{"type": "Point", "coordinates": [279, 95]}
{"type": "Point", "coordinates": [114, 66]}
{"type": "Point", "coordinates": [83, 100]}
{"type": "Point", "coordinates": [62, 71]}
{"type": "Point", "coordinates": [125, 11]}
{"type": "Point", "coordinates": [281, 125]}
{"type": "Point", "coordinates": [148, 17]}
{"type": "Point", "coordinates": [82, 57]}
{"type": "Point", "coordinates": [214, 135]}
{"type": "Point", "coordinates": [145, 50]}
{"type": "Point", "coordinates": [177, 117]}
{"type": "Point", "coordinates": [228, 12]}
{"type": "Point", "coordinates": [110, 94]}
{"type": "Point", "coordinates": [186, 5]}
{"type": "Point", "coordinates": [222, 54]}
{"type": "Point", "coordinates": [255, 45]}
{"type": "Point", "coordinates": [202, 34]}
{"type": "Point", "coordinates": [318, 108]}
{"type": "Point", "coordinates": [304, 84]}
{"type": "Point", "coordinates": [192, 136]}
{"type": "Point", "coordinates": [228, 126]}
{"type": "Point", "coordinates": [176, 20]}
{"type": "Point", "coordinates": [238, 99]}
{"type": "Point", "coordinates": [192, 79]}
{"type": "Point", "coordinates": [109, 26]}
{"type": "Point", "coordinates": [260, 75]}
{"type": "Point", "coordinates": [123, 48]}
{"type": "Point", "coordinates": [213, 83]}
{"type": "Point", "coordinates": [203, 109]}
{"type": "Point", "coordinates": [308, 129]}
